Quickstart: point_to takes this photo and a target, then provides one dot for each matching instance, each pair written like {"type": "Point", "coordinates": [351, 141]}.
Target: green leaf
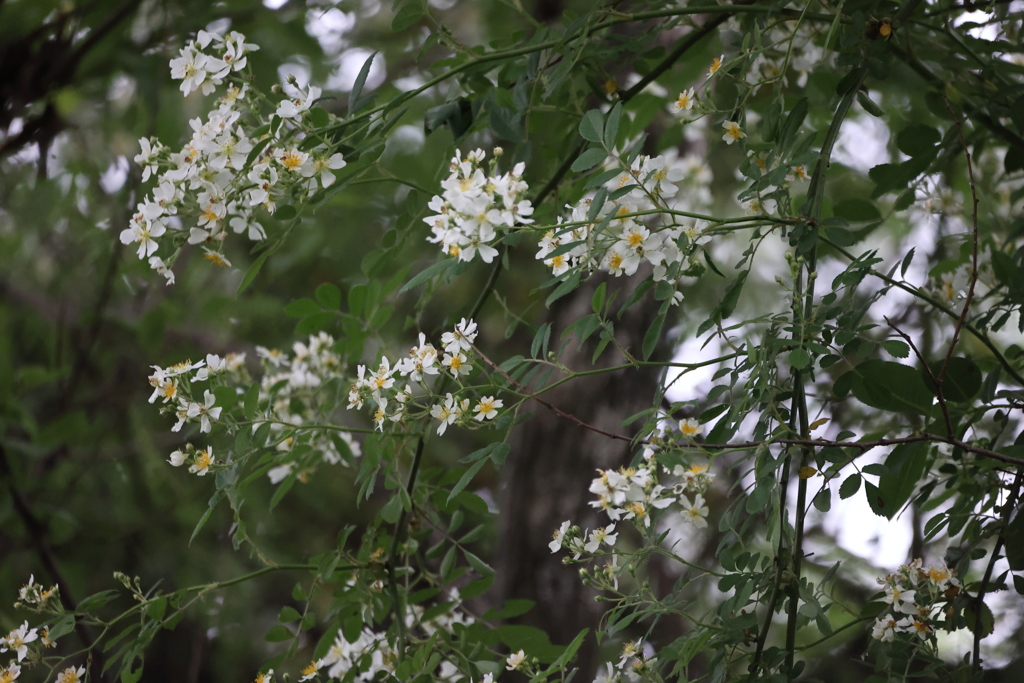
{"type": "Point", "coordinates": [592, 126]}
{"type": "Point", "coordinates": [840, 236]}
{"type": "Point", "coordinates": [611, 127]}
{"type": "Point", "coordinates": [253, 271]}
{"type": "Point", "coordinates": [329, 296]}
{"type": "Point", "coordinates": [540, 340]}
{"type": "Point", "coordinates": [857, 210]}
{"type": "Point", "coordinates": [866, 102]}
{"type": "Point", "coordinates": [466, 479]}
{"type": "Point", "coordinates": [850, 486]}
{"type": "Point", "coordinates": [823, 501]}
{"type": "Point", "coordinates": [888, 386]}
{"type": "Point", "coordinates": [505, 122]}
{"type": "Point", "coordinates": [905, 465]}
{"type": "Point", "coordinates": [799, 358]}
{"type": "Point", "coordinates": [896, 348]}
{"type": "Point", "coordinates": [571, 649]}
{"type": "Point", "coordinates": [1015, 543]}
{"type": "Point", "coordinates": [1017, 114]}
{"type": "Point", "coordinates": [652, 336]}
{"type": "Point", "coordinates": [448, 563]}
{"type": "Point", "coordinates": [251, 401]}
{"type": "Point", "coordinates": [567, 285]}
{"type": "Point", "coordinates": [905, 265]}
{"type": "Point", "coordinates": [792, 125]}
{"type": "Point", "coordinates": [392, 510]}
{"type": "Point", "coordinates": [63, 626]}
{"type": "Point", "coordinates": [406, 17]}
{"type": "Point", "coordinates": [288, 615]}
{"type": "Point", "coordinates": [216, 498]}
{"type": "Point", "coordinates": [314, 323]}
{"type": "Point", "coordinates": [597, 300]}
{"type": "Point", "coordinates": [278, 634]}
{"type": "Point", "coordinates": [732, 296]}
{"type": "Point", "coordinates": [319, 117]}
{"type": "Point", "coordinates": [962, 380]}
{"type": "Point", "coordinates": [917, 139]}
{"type": "Point", "coordinates": [427, 274]}
{"type": "Point", "coordinates": [987, 620]}
{"type": "Point", "coordinates": [357, 87]}
{"type": "Point", "coordinates": [478, 565]}
{"type": "Point", "coordinates": [589, 159]}
{"type": "Point", "coordinates": [302, 308]}
{"type": "Point", "coordinates": [286, 213]}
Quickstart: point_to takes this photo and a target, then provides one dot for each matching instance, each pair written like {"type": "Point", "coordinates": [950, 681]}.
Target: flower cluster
{"type": "Point", "coordinates": [289, 401]}
{"type": "Point", "coordinates": [915, 595]}
{"type": "Point", "coordinates": [369, 654]}
{"type": "Point", "coordinates": [475, 205]}
{"type": "Point", "coordinates": [422, 361]}
{"type": "Point", "coordinates": [615, 239]}
{"type": "Point", "coordinates": [634, 493]}
{"type": "Point", "coordinates": [200, 71]}
{"type": "Point", "coordinates": [32, 596]}
{"type": "Point", "coordinates": [228, 170]}
{"type": "Point", "coordinates": [787, 46]}
{"type": "Point", "coordinates": [173, 386]}
{"type": "Point", "coordinates": [634, 663]}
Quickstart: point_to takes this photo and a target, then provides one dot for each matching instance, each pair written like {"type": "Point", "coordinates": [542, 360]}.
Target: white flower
{"type": "Point", "coordinates": [10, 673]}
{"type": "Point", "coordinates": [558, 536]}
{"type": "Point", "coordinates": [696, 512]}
{"type": "Point", "coordinates": [309, 671]}
{"type": "Point", "coordinates": [884, 629]}
{"type": "Point", "coordinates": [690, 427]}
{"type": "Point", "coordinates": [900, 599]}
{"type": "Point", "coordinates": [487, 408]}
{"type": "Point", "coordinates": [514, 660]}
{"type": "Point", "coordinates": [203, 461]}
{"type": "Point", "coordinates": [278, 474]}
{"type": "Point", "coordinates": [456, 364]}
{"type": "Point", "coordinates": [214, 364]}
{"type": "Point", "coordinates": [299, 102]}
{"type": "Point", "coordinates": [71, 675]}
{"type": "Point", "coordinates": [205, 411]}
{"type": "Point", "coordinates": [462, 337]}
{"type": "Point", "coordinates": [684, 103]}
{"type": "Point", "coordinates": [18, 639]}
{"type": "Point", "coordinates": [157, 264]}
{"type": "Point", "coordinates": [177, 458]}
{"type": "Point", "coordinates": [599, 536]}
{"type": "Point", "coordinates": [733, 132]}
{"type": "Point", "coordinates": [446, 412]}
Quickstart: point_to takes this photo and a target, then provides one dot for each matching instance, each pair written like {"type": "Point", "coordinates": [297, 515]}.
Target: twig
{"type": "Point", "coordinates": [549, 406]}
{"type": "Point", "coordinates": [974, 256]}
{"type": "Point", "coordinates": [36, 533]}
{"type": "Point", "coordinates": [935, 382]}
{"type": "Point", "coordinates": [979, 601]}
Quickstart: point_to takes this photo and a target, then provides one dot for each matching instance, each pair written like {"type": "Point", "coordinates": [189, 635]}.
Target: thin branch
{"type": "Point", "coordinates": [974, 256]}
{"type": "Point", "coordinates": [935, 381]}
{"type": "Point", "coordinates": [36, 533]}
{"type": "Point", "coordinates": [979, 601]}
